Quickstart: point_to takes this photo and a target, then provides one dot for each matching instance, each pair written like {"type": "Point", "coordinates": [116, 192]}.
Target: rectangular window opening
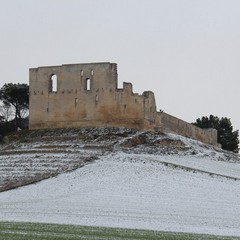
{"type": "Point", "coordinates": [88, 84]}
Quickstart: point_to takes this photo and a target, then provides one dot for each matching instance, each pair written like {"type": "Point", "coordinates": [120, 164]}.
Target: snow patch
{"type": "Point", "coordinates": [130, 191]}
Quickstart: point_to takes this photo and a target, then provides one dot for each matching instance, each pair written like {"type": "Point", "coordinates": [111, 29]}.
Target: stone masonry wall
{"type": "Point", "coordinates": [171, 124]}
{"type": "Point", "coordinates": [82, 95]}
{"type": "Point", "coordinates": [86, 95]}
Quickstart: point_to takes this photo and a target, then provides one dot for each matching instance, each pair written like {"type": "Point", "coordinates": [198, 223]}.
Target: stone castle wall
{"type": "Point", "coordinates": [86, 95]}
{"type": "Point", "coordinates": [80, 95]}
{"type": "Point", "coordinates": [171, 124]}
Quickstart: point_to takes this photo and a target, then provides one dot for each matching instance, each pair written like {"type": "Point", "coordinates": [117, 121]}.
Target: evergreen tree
{"type": "Point", "coordinates": [16, 95]}
{"type": "Point", "coordinates": [226, 136]}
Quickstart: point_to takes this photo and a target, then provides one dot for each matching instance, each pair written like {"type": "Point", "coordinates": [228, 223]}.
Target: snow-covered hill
{"type": "Point", "coordinates": [133, 180]}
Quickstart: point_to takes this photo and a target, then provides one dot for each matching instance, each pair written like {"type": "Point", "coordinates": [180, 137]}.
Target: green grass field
{"type": "Point", "coordinates": [35, 231]}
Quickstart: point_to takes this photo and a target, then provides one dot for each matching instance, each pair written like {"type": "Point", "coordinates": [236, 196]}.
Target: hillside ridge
{"type": "Point", "coordinates": [34, 155]}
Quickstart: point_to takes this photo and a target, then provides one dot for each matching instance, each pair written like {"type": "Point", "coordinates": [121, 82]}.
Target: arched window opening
{"type": "Point", "coordinates": [92, 72]}
{"type": "Point", "coordinates": [53, 85]}
{"type": "Point", "coordinates": [81, 73]}
{"type": "Point", "coordinates": [88, 84]}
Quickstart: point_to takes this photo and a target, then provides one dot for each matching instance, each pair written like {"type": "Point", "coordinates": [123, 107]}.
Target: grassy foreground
{"type": "Point", "coordinates": [27, 231]}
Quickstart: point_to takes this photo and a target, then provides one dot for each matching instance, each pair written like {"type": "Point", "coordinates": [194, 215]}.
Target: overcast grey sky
{"type": "Point", "coordinates": [186, 51]}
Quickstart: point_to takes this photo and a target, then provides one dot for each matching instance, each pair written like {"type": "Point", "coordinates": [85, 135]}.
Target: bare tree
{"type": "Point", "coordinates": [6, 111]}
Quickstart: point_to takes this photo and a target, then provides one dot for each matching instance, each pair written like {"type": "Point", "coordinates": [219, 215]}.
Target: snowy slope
{"type": "Point", "coordinates": [126, 190]}
{"type": "Point", "coordinates": [133, 180]}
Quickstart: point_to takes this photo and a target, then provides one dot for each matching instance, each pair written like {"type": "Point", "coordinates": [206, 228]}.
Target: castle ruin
{"type": "Point", "coordinates": [84, 95]}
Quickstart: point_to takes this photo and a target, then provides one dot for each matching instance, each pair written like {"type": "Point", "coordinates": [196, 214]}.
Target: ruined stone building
{"type": "Point", "coordinates": [80, 95]}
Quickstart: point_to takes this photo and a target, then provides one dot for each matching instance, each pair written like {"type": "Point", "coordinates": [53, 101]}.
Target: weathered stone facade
{"type": "Point", "coordinates": [78, 95]}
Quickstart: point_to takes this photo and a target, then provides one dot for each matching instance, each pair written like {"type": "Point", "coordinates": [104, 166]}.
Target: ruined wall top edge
{"type": "Point", "coordinates": [75, 64]}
